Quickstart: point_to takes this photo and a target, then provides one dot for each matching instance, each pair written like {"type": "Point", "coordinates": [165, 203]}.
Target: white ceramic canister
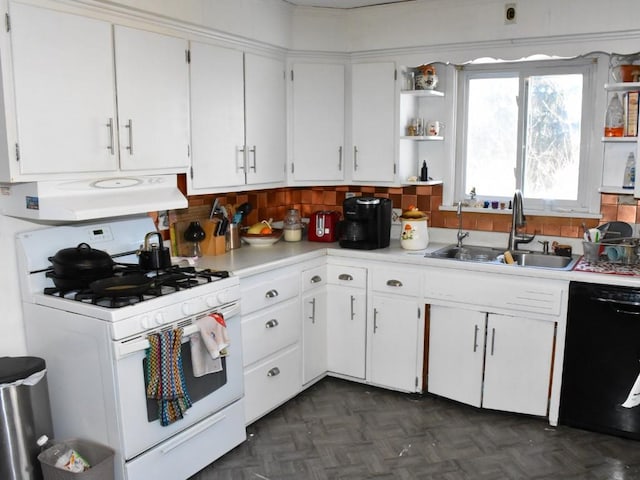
{"type": "Point", "coordinates": [414, 234]}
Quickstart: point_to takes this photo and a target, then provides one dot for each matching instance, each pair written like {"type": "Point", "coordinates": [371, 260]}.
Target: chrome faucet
{"type": "Point", "coordinates": [518, 220]}
{"type": "Point", "coordinates": [461, 235]}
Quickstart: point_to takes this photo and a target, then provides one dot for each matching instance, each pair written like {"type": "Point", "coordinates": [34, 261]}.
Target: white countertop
{"type": "Point", "coordinates": [250, 260]}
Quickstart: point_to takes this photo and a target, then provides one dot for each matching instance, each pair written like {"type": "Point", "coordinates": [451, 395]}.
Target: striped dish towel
{"type": "Point", "coordinates": [165, 377]}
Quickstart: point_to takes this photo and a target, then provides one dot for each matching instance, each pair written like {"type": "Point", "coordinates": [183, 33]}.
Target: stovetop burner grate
{"type": "Point", "coordinates": [160, 283]}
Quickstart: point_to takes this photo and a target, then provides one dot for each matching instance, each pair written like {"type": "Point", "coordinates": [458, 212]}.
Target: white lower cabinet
{"type": "Point", "coordinates": [271, 331]}
{"type": "Point", "coordinates": [490, 360]}
{"type": "Point", "coordinates": [347, 320]}
{"type": "Point", "coordinates": [314, 323]}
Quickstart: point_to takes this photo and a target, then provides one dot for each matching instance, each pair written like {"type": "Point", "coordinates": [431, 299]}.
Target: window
{"type": "Point", "coordinates": [525, 126]}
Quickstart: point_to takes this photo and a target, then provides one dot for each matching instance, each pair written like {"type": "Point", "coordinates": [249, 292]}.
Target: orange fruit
{"type": "Point", "coordinates": [265, 231]}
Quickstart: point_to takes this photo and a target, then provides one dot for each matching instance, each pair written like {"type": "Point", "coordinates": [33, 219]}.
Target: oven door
{"type": "Point", "coordinates": [138, 417]}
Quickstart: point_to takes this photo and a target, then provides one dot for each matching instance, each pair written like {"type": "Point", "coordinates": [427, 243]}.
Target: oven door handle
{"type": "Point", "coordinates": [124, 349]}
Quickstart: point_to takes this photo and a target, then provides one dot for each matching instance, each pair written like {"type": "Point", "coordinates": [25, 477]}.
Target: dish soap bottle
{"type": "Point", "coordinates": [424, 173]}
{"type": "Point", "coordinates": [630, 172]}
{"type": "Point", "coordinates": [614, 119]}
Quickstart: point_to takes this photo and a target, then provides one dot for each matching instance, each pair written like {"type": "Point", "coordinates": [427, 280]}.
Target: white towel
{"type": "Point", "coordinates": [208, 347]}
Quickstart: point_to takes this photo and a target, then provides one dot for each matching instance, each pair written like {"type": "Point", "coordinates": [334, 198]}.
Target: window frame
{"type": "Point", "coordinates": [523, 69]}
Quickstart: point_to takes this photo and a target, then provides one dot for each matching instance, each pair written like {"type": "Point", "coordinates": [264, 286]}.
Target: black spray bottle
{"type": "Point", "coordinates": [424, 173]}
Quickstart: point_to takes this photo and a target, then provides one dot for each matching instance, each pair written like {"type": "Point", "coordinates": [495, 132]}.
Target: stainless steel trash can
{"type": "Point", "coordinates": [25, 415]}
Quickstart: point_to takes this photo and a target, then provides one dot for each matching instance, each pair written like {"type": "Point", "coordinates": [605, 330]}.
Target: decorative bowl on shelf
{"type": "Point", "coordinates": [262, 239]}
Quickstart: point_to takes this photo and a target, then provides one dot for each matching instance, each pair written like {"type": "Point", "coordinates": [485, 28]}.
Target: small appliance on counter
{"type": "Point", "coordinates": [323, 226]}
{"type": "Point", "coordinates": [366, 224]}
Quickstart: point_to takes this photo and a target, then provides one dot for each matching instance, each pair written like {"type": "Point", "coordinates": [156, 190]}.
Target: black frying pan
{"type": "Point", "coordinates": [126, 285]}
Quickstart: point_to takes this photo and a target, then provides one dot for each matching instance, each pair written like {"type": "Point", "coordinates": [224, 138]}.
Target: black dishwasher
{"type": "Point", "coordinates": [601, 373]}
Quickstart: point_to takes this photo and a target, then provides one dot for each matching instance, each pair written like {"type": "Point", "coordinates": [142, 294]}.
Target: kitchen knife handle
{"type": "Point", "coordinates": [110, 127]}
{"type": "Point", "coordinates": [129, 125]}
{"type": "Point", "coordinates": [340, 158]}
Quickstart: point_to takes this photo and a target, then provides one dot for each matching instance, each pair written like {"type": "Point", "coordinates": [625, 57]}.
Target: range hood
{"type": "Point", "coordinates": [77, 200]}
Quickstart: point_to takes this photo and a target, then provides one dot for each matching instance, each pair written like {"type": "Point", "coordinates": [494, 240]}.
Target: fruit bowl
{"type": "Point", "coordinates": [262, 239]}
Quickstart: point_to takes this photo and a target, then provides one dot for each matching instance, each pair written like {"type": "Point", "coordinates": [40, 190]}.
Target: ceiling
{"type": "Point", "coordinates": [342, 3]}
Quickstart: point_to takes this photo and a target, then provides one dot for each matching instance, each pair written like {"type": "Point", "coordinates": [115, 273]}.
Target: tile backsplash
{"type": "Point", "coordinates": [273, 203]}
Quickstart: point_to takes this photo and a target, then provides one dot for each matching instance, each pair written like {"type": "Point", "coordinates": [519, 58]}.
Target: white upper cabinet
{"type": "Point", "coordinates": [373, 122]}
{"type": "Point", "coordinates": [66, 77]}
{"type": "Point", "coordinates": [217, 117]}
{"type": "Point", "coordinates": [238, 119]}
{"type": "Point", "coordinates": [265, 120]}
{"type": "Point", "coordinates": [317, 123]}
{"type": "Point", "coordinates": [64, 94]}
{"type": "Point", "coordinates": [153, 100]}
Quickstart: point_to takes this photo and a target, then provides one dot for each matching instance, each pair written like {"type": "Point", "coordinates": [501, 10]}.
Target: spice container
{"type": "Point", "coordinates": [292, 226]}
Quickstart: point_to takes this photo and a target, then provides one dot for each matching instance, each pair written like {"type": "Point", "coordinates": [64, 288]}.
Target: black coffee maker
{"type": "Point", "coordinates": [366, 224]}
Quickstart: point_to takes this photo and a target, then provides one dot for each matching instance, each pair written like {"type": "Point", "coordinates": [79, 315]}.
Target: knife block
{"type": "Point", "coordinates": [211, 245]}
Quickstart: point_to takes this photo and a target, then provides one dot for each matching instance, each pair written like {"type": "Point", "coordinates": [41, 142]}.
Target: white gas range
{"type": "Point", "coordinates": [96, 353]}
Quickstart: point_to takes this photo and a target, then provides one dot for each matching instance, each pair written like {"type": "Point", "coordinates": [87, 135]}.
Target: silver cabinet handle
{"type": "Point", "coordinates": [110, 127]}
{"type": "Point", "coordinates": [353, 313]}
{"type": "Point", "coordinates": [475, 338]}
{"type": "Point", "coordinates": [340, 158]}
{"type": "Point", "coordinates": [394, 283]}
{"type": "Point", "coordinates": [493, 340]}
{"type": "Point", "coordinates": [271, 323]}
{"type": "Point", "coordinates": [271, 294]}
{"type": "Point", "coordinates": [255, 158]}
{"type": "Point", "coordinates": [273, 372]}
{"type": "Point", "coordinates": [316, 279]}
{"type": "Point", "coordinates": [313, 310]}
{"type": "Point", "coordinates": [375, 320]}
{"type": "Point", "coordinates": [345, 276]}
{"type": "Point", "coordinates": [242, 165]}
{"type": "Point", "coordinates": [129, 126]}
{"type": "Point", "coordinates": [355, 157]}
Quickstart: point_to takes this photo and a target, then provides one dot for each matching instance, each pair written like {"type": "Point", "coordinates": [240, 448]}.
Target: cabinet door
{"type": "Point", "coordinates": [373, 112]}
{"type": "Point", "coordinates": [347, 331]}
{"type": "Point", "coordinates": [314, 334]}
{"type": "Point", "coordinates": [217, 117]}
{"type": "Point", "coordinates": [318, 122]}
{"type": "Point", "coordinates": [64, 91]}
{"type": "Point", "coordinates": [394, 336]}
{"type": "Point", "coordinates": [153, 100]}
{"type": "Point", "coordinates": [265, 119]}
{"type": "Point", "coordinates": [518, 364]}
{"type": "Point", "coordinates": [456, 352]}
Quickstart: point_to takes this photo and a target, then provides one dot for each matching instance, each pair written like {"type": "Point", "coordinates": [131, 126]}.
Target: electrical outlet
{"type": "Point", "coordinates": [395, 216]}
{"type": "Point", "coordinates": [509, 13]}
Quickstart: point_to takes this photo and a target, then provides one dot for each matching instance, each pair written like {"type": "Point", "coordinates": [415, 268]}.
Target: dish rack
{"type": "Point", "coordinates": [629, 245]}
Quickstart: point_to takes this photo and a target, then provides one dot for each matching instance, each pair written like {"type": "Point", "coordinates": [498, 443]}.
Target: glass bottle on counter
{"type": "Point", "coordinates": [292, 226]}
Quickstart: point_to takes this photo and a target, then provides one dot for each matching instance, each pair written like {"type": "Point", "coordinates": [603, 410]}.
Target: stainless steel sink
{"type": "Point", "coordinates": [473, 253]}
{"type": "Point", "coordinates": [544, 261]}
{"type": "Point", "coordinates": [470, 253]}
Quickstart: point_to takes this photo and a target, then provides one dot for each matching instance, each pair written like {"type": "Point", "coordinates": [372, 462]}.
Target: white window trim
{"type": "Point", "coordinates": [595, 69]}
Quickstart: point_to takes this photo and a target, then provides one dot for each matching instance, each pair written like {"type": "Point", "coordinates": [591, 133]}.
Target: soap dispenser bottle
{"type": "Point", "coordinates": [424, 172]}
{"type": "Point", "coordinates": [630, 172]}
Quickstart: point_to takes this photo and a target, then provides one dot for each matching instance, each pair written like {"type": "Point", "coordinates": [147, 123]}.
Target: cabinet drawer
{"type": "Point", "coordinates": [399, 282]}
{"type": "Point", "coordinates": [314, 277]}
{"type": "Point", "coordinates": [272, 382]}
{"type": "Point", "coordinates": [266, 332]}
{"type": "Point", "coordinates": [347, 276]}
{"type": "Point", "coordinates": [263, 291]}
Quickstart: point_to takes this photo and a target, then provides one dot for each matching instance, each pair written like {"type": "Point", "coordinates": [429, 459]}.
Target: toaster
{"type": "Point", "coordinates": [323, 226]}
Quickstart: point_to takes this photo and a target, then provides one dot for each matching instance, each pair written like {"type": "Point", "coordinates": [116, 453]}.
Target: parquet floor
{"type": "Point", "coordinates": [344, 430]}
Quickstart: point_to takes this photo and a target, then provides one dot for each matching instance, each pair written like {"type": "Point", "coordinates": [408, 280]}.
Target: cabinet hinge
{"type": "Point", "coordinates": [292, 75]}
{"type": "Point", "coordinates": [419, 314]}
{"type": "Point", "coordinates": [293, 168]}
{"type": "Point", "coordinates": [395, 74]}
{"type": "Point", "coordinates": [7, 22]}
{"type": "Point", "coordinates": [187, 55]}
{"type": "Point", "coordinates": [191, 172]}
{"type": "Point", "coordinates": [394, 168]}
{"type": "Point", "coordinates": [17, 152]}
{"type": "Point", "coordinates": [416, 382]}
{"type": "Point", "coordinates": [188, 151]}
